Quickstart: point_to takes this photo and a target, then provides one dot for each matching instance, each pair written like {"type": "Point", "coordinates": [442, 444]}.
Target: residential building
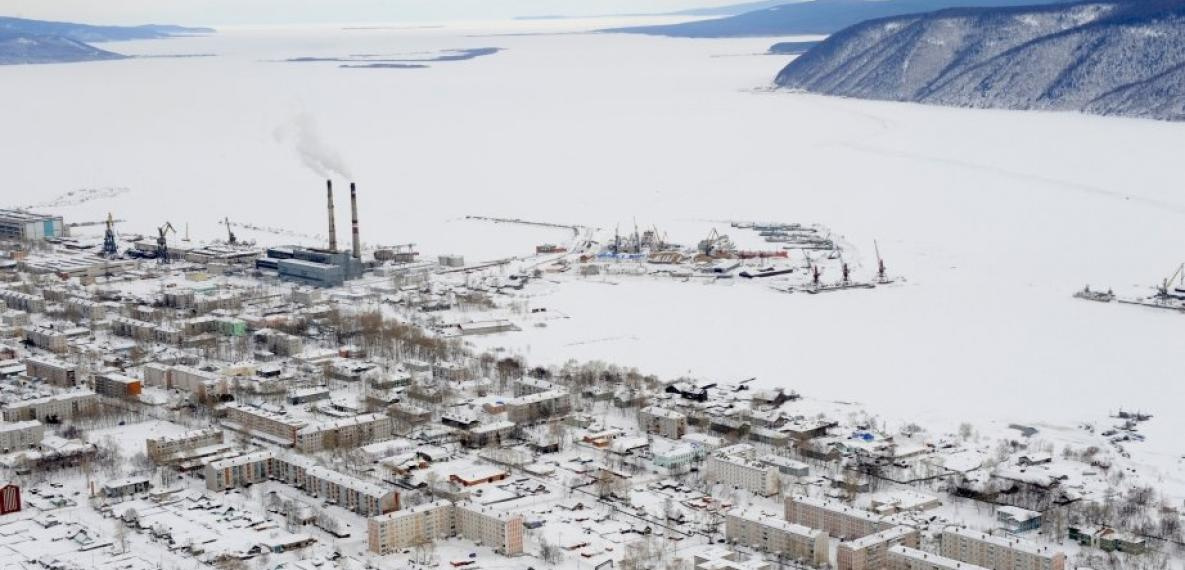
{"type": "Point", "coordinates": [836, 519]}
{"type": "Point", "coordinates": [999, 552]}
{"type": "Point", "coordinates": [363, 497]}
{"type": "Point", "coordinates": [20, 435]}
{"type": "Point", "coordinates": [421, 524]}
{"type": "Point", "coordinates": [114, 385]}
{"type": "Point", "coordinates": [498, 529]}
{"type": "Point", "coordinates": [345, 433]}
{"type": "Point", "coordinates": [539, 406]}
{"type": "Point", "coordinates": [663, 421]}
{"type": "Point", "coordinates": [871, 552]}
{"type": "Point", "coordinates": [737, 465]}
{"type": "Point", "coordinates": [52, 371]}
{"type": "Point", "coordinates": [166, 448]}
{"type": "Point", "coordinates": [787, 541]}
{"type": "Point", "coordinates": [902, 557]}
{"type": "Point", "coordinates": [52, 409]}
{"type": "Point", "coordinates": [264, 424]}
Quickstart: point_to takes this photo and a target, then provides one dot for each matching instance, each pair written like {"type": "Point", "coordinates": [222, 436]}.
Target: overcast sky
{"type": "Point", "coordinates": [238, 12]}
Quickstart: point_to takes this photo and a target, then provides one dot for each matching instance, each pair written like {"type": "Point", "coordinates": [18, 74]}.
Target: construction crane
{"type": "Point", "coordinates": [230, 234]}
{"type": "Point", "coordinates": [162, 245]}
{"type": "Point", "coordinates": [110, 249]}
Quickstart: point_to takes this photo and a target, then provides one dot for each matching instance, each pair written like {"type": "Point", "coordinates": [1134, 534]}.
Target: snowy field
{"type": "Point", "coordinates": [993, 217]}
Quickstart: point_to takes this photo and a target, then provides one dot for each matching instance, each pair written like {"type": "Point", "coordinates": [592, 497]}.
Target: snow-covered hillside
{"type": "Point", "coordinates": [1122, 58]}
{"type": "Point", "coordinates": [21, 48]}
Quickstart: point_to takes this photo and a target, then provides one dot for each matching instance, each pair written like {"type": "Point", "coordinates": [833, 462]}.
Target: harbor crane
{"type": "Point", "coordinates": [1163, 290]}
{"type": "Point", "coordinates": [881, 276]}
{"type": "Point", "coordinates": [162, 244]}
{"type": "Point", "coordinates": [230, 234]}
{"type": "Point", "coordinates": [110, 249]}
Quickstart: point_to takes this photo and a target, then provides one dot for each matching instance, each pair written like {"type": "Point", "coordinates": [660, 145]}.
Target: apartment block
{"type": "Point", "coordinates": [165, 448]}
{"type": "Point", "coordinates": [345, 433]}
{"type": "Point", "coordinates": [363, 497]}
{"type": "Point", "coordinates": [257, 422]}
{"type": "Point", "coordinates": [498, 529]}
{"type": "Point", "coordinates": [737, 465]}
{"type": "Point", "coordinates": [871, 552]}
{"type": "Point", "coordinates": [421, 524]}
{"type": "Point", "coordinates": [778, 537]}
{"type": "Point", "coordinates": [47, 339]}
{"type": "Point", "coordinates": [834, 518]}
{"type": "Point", "coordinates": [52, 408]}
{"type": "Point", "coordinates": [902, 557]}
{"type": "Point", "coordinates": [539, 406]}
{"type": "Point", "coordinates": [115, 385]}
{"type": "Point", "coordinates": [999, 552]}
{"type": "Point", "coordinates": [663, 421]}
{"type": "Point", "coordinates": [52, 371]}
{"type": "Point", "coordinates": [20, 435]}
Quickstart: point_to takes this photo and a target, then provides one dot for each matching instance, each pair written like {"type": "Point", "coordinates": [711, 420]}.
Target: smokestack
{"type": "Point", "coordinates": [354, 218]}
{"type": "Point", "coordinates": [332, 227]}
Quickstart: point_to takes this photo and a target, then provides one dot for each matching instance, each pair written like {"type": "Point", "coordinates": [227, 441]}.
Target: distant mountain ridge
{"type": "Point", "coordinates": [18, 48]}
{"type": "Point", "coordinates": [1109, 57]}
{"type": "Point", "coordinates": [89, 34]}
{"type": "Point", "coordinates": [811, 17]}
{"type": "Point", "coordinates": [34, 41]}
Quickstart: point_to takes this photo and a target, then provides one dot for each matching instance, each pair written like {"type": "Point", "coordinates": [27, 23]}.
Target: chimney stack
{"type": "Point", "coordinates": [354, 218]}
{"type": "Point", "coordinates": [332, 227]}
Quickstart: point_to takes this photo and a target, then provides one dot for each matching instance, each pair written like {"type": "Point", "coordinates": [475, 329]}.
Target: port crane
{"type": "Point", "coordinates": [1163, 290]}
{"type": "Point", "coordinates": [162, 244]}
{"type": "Point", "coordinates": [230, 234]}
{"type": "Point", "coordinates": [110, 249]}
{"type": "Point", "coordinates": [882, 276]}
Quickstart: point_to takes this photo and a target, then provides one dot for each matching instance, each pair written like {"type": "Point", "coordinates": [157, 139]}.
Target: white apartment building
{"type": "Point", "coordinates": [999, 552]}
{"type": "Point", "coordinates": [20, 435]}
{"type": "Point", "coordinates": [902, 557]}
{"type": "Point", "coordinates": [498, 529]}
{"type": "Point", "coordinates": [737, 465]}
{"type": "Point", "coordinates": [777, 537]}
{"type": "Point", "coordinates": [58, 407]}
{"type": "Point", "coordinates": [836, 519]}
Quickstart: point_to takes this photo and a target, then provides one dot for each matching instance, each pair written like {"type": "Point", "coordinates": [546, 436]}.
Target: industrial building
{"type": "Point", "coordinates": [27, 226]}
{"type": "Point", "coordinates": [319, 267]}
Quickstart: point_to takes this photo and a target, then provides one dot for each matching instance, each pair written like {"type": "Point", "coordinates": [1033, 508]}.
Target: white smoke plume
{"type": "Point", "coordinates": [304, 136]}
